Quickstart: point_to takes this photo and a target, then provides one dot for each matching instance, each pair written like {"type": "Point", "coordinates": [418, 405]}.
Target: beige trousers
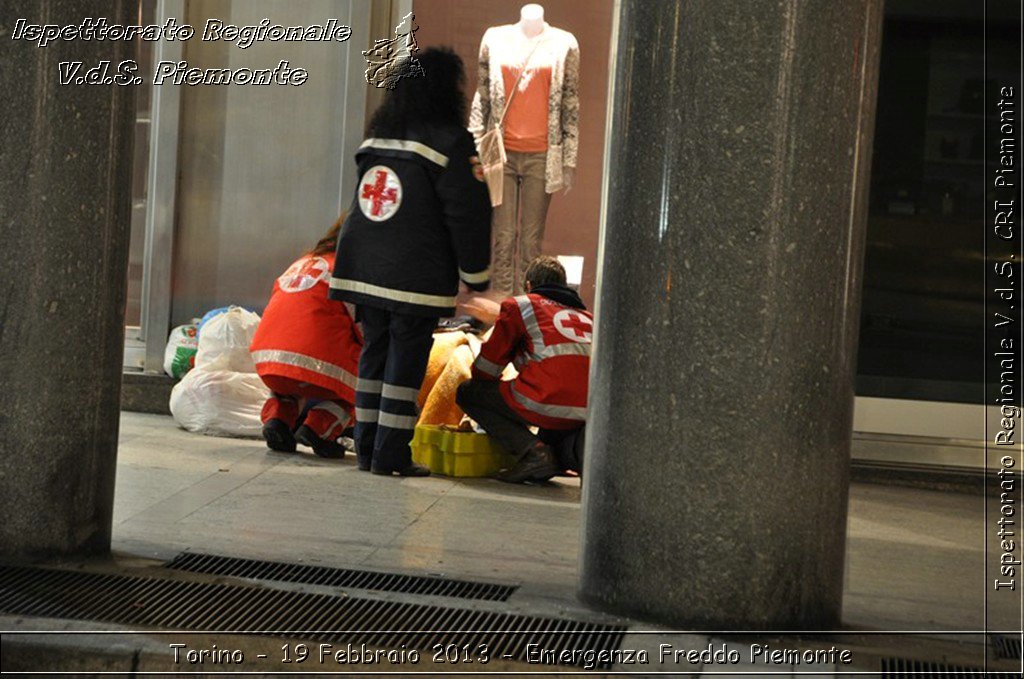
{"type": "Point", "coordinates": [518, 226]}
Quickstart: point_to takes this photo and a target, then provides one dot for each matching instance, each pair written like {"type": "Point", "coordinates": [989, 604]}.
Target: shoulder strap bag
{"type": "Point", "coordinates": [491, 146]}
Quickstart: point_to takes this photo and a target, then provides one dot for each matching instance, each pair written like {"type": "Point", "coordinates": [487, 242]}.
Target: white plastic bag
{"type": "Point", "coordinates": [219, 403]}
{"type": "Point", "coordinates": [180, 354]}
{"type": "Point", "coordinates": [225, 339]}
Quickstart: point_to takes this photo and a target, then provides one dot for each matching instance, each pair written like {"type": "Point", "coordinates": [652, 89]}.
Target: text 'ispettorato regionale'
{"type": "Point", "coordinates": [125, 72]}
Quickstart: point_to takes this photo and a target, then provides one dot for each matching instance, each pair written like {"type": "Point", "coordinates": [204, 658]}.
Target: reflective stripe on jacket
{"type": "Point", "coordinates": [549, 344]}
{"type": "Point", "coordinates": [419, 221]}
{"type": "Point", "coordinates": [306, 336]}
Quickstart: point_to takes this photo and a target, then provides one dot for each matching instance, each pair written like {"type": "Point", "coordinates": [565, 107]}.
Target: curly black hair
{"type": "Point", "coordinates": [434, 97]}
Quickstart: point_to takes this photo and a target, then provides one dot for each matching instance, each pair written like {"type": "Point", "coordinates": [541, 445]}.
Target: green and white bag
{"type": "Point", "coordinates": [180, 354]}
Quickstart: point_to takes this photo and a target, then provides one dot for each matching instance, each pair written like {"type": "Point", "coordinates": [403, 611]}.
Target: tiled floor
{"type": "Point", "coordinates": [915, 558]}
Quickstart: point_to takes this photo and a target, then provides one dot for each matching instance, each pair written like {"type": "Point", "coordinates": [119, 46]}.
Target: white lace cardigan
{"type": "Point", "coordinates": [563, 53]}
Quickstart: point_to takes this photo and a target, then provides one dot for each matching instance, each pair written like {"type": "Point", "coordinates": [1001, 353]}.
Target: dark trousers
{"type": "Point", "coordinates": [482, 400]}
{"type": "Point", "coordinates": [396, 348]}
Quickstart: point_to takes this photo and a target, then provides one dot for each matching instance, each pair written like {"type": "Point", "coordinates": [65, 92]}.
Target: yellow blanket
{"type": "Point", "coordinates": [444, 344]}
{"type": "Point", "coordinates": [451, 363]}
{"type": "Point", "coordinates": [440, 407]}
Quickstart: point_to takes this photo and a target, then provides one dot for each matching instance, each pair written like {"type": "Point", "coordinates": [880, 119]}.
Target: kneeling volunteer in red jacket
{"type": "Point", "coordinates": [546, 335]}
{"type": "Point", "coordinates": [306, 350]}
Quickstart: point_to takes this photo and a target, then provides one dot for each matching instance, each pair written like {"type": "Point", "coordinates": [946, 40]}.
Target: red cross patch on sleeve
{"type": "Point", "coordinates": [380, 193]}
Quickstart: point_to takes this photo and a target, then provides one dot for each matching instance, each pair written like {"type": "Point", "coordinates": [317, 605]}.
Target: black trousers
{"type": "Point", "coordinates": [482, 400]}
{"type": "Point", "coordinates": [396, 348]}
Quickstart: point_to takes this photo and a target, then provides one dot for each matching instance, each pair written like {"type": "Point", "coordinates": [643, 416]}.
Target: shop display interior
{"type": "Point", "coordinates": [923, 307]}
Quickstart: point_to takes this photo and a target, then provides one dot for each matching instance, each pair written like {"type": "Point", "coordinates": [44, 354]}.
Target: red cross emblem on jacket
{"type": "Point", "coordinates": [573, 325]}
{"type": "Point", "coordinates": [549, 344]}
{"type": "Point", "coordinates": [380, 193]}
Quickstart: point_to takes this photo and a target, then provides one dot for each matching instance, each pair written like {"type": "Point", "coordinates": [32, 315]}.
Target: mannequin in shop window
{"type": "Point", "coordinates": [541, 64]}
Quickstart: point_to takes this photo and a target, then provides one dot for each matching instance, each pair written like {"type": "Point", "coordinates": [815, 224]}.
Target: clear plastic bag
{"type": "Point", "coordinates": [225, 339]}
{"type": "Point", "coordinates": [219, 403]}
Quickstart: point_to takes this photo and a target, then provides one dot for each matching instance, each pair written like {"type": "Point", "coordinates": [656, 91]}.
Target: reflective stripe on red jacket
{"type": "Point", "coordinates": [306, 336]}
{"type": "Point", "coordinates": [549, 344]}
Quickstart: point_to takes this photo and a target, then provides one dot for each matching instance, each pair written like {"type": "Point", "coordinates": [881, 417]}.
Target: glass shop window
{"type": "Point", "coordinates": [922, 319]}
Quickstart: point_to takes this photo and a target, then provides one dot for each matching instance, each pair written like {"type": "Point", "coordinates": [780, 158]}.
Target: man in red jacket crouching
{"type": "Point", "coordinates": [546, 334]}
{"type": "Point", "coordinates": [306, 349]}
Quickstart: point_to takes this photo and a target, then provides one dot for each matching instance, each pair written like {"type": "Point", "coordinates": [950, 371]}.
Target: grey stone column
{"type": "Point", "coordinates": [721, 398]}
{"type": "Point", "coordinates": [65, 200]}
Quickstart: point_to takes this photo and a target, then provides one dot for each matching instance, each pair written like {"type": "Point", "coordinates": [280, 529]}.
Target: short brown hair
{"type": "Point", "coordinates": [545, 270]}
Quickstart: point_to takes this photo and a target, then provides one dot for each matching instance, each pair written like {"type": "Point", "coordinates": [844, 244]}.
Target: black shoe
{"type": "Point", "coordinates": [278, 436]}
{"type": "Point", "coordinates": [321, 447]}
{"type": "Point", "coordinates": [364, 463]}
{"type": "Point", "coordinates": [413, 469]}
{"type": "Point", "coordinates": [538, 464]}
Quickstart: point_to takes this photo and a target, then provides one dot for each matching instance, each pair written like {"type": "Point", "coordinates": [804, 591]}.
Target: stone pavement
{"type": "Point", "coordinates": [914, 558]}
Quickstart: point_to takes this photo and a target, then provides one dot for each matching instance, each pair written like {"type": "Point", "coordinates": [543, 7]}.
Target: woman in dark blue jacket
{"type": "Point", "coordinates": [419, 223]}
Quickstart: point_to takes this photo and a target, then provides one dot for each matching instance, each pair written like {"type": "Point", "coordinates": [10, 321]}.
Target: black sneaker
{"type": "Point", "coordinates": [278, 436]}
{"type": "Point", "coordinates": [321, 447]}
{"type": "Point", "coordinates": [538, 464]}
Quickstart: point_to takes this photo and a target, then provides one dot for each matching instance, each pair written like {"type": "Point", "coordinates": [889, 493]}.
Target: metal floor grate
{"type": "Point", "coordinates": [339, 577]}
{"type": "Point", "coordinates": [133, 602]}
{"type": "Point", "coordinates": [1007, 647]}
{"type": "Point", "coordinates": [901, 668]}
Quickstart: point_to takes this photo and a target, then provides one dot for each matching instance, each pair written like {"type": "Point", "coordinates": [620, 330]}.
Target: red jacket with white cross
{"type": "Point", "coordinates": [549, 344]}
{"type": "Point", "coordinates": [306, 336]}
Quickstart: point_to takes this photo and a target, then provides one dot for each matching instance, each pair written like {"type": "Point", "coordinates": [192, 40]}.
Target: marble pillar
{"type": "Point", "coordinates": [65, 201]}
{"type": "Point", "coordinates": [717, 466]}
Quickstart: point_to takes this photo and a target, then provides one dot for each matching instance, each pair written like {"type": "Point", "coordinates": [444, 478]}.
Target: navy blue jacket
{"type": "Point", "coordinates": [418, 223]}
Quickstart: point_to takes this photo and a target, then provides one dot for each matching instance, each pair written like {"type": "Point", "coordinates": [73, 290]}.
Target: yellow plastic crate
{"type": "Point", "coordinates": [458, 453]}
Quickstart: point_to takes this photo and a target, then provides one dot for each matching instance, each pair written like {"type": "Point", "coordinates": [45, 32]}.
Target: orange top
{"type": "Point", "coordinates": [526, 125]}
